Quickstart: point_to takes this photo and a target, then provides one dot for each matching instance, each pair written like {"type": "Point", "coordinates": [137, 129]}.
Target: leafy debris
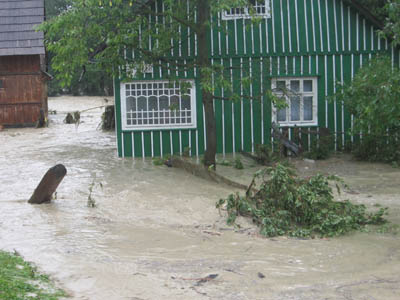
{"type": "Point", "coordinates": [285, 204]}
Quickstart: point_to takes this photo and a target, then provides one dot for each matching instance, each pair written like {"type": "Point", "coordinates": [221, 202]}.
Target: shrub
{"type": "Point", "coordinates": [373, 98]}
{"type": "Point", "coordinates": [238, 164]}
{"type": "Point", "coordinates": [322, 148]}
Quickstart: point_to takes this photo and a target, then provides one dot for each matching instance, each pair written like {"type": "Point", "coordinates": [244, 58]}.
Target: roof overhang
{"type": "Point", "coordinates": [366, 13]}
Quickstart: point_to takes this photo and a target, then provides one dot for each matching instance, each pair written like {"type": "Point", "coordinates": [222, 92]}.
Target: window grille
{"type": "Point", "coordinates": [301, 97]}
{"type": "Point", "coordinates": [260, 8]}
{"type": "Point", "coordinates": [158, 105]}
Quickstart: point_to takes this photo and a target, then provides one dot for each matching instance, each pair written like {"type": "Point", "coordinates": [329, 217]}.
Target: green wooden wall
{"type": "Point", "coordinates": [326, 39]}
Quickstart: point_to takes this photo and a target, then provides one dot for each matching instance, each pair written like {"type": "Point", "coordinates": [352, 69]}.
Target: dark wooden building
{"type": "Point", "coordinates": [23, 80]}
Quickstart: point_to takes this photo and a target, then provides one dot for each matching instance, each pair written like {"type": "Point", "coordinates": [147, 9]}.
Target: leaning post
{"type": "Point", "coordinates": [48, 185]}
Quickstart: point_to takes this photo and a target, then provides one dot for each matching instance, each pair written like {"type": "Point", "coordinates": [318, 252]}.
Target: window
{"type": "Point", "coordinates": [1, 84]}
{"type": "Point", "coordinates": [301, 97]}
{"type": "Point", "coordinates": [158, 105]}
{"type": "Point", "coordinates": [261, 9]}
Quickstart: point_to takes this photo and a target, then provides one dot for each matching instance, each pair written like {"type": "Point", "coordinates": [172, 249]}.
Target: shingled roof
{"type": "Point", "coordinates": [17, 21]}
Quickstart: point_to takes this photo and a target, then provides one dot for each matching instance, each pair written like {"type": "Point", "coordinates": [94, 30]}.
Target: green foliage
{"type": "Point", "coordinates": [288, 205]}
{"type": "Point", "coordinates": [373, 98]}
{"type": "Point", "coordinates": [159, 161]}
{"type": "Point", "coordinates": [392, 23]}
{"type": "Point", "coordinates": [393, 229]}
{"type": "Point", "coordinates": [95, 81]}
{"type": "Point", "coordinates": [20, 280]}
{"type": "Point", "coordinates": [322, 148]}
{"type": "Point", "coordinates": [265, 154]}
{"type": "Point", "coordinates": [238, 164]}
{"type": "Point", "coordinates": [224, 162]}
{"type": "Point", "coordinates": [384, 148]}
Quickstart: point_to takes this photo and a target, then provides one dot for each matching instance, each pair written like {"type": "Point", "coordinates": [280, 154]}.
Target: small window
{"type": "Point", "coordinates": [301, 97]}
{"type": "Point", "coordinates": [259, 8]}
{"type": "Point", "coordinates": [158, 105]}
{"type": "Point", "coordinates": [1, 84]}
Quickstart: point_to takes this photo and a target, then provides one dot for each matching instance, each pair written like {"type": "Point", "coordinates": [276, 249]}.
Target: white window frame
{"type": "Point", "coordinates": [246, 14]}
{"type": "Point", "coordinates": [193, 112]}
{"type": "Point", "coordinates": [301, 94]}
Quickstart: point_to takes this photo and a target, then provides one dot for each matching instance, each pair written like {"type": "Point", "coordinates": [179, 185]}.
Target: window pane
{"type": "Point", "coordinates": [185, 103]}
{"type": "Point", "coordinates": [295, 109]}
{"type": "Point", "coordinates": [308, 108]}
{"type": "Point", "coordinates": [130, 104]}
{"type": "Point", "coordinates": [142, 104]}
{"type": "Point", "coordinates": [164, 103]}
{"type": "Point", "coordinates": [153, 103]}
{"type": "Point", "coordinates": [174, 103]}
{"type": "Point", "coordinates": [281, 85]}
{"type": "Point", "coordinates": [308, 86]}
{"type": "Point", "coordinates": [282, 115]}
{"type": "Point", "coordinates": [295, 85]}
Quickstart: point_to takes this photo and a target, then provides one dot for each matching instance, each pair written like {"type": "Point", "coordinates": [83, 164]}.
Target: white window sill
{"type": "Point", "coordinates": [157, 127]}
{"type": "Point", "coordinates": [297, 124]}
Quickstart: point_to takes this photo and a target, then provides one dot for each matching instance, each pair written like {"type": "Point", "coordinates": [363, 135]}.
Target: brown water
{"type": "Point", "coordinates": [155, 230]}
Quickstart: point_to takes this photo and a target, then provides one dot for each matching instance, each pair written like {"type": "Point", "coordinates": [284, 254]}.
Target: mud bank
{"type": "Point", "coordinates": [155, 231]}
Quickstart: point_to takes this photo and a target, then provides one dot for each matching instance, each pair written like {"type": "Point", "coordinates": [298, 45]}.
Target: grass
{"type": "Point", "coordinates": [19, 280]}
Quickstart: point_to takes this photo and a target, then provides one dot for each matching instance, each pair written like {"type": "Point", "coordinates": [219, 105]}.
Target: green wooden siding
{"type": "Point", "coordinates": [326, 39]}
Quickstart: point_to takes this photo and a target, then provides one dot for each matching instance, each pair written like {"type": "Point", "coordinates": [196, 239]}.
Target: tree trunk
{"type": "Point", "coordinates": [108, 118]}
{"type": "Point", "coordinates": [203, 12]}
{"type": "Point", "coordinates": [41, 120]}
{"type": "Point", "coordinates": [48, 185]}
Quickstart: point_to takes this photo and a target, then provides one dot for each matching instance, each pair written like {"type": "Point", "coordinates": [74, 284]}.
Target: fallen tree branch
{"type": "Point", "coordinates": [203, 172]}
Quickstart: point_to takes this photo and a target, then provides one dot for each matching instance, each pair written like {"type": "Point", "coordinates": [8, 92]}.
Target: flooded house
{"type": "Point", "coordinates": [306, 46]}
{"type": "Point", "coordinates": [23, 77]}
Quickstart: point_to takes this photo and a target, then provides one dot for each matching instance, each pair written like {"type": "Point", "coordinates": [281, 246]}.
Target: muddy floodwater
{"type": "Point", "coordinates": [155, 232]}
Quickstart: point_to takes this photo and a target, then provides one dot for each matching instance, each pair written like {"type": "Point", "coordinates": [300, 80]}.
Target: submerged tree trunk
{"type": "Point", "coordinates": [48, 185]}
{"type": "Point", "coordinates": [203, 12]}
{"type": "Point", "coordinates": [42, 119]}
{"type": "Point", "coordinates": [108, 118]}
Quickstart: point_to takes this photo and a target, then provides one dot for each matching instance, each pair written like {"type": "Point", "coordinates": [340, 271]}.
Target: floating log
{"type": "Point", "coordinates": [48, 185]}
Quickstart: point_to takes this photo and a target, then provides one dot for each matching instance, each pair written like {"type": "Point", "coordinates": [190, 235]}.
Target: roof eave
{"type": "Point", "coordinates": [374, 20]}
